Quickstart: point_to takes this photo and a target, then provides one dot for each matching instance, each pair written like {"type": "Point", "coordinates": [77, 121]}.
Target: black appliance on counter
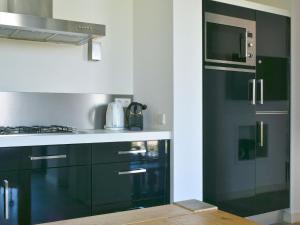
{"type": "Point", "coordinates": [134, 116]}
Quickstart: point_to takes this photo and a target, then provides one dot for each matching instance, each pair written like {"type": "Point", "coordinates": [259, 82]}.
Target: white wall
{"type": "Point", "coordinates": [153, 78]}
{"type": "Point", "coordinates": [44, 67]}
{"type": "Point", "coordinates": [187, 72]}
{"type": "Point", "coordinates": [295, 114]}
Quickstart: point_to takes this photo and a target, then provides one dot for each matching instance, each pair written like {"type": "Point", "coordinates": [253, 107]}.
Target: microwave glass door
{"type": "Point", "coordinates": [226, 43]}
{"type": "Point", "coordinates": [230, 40]}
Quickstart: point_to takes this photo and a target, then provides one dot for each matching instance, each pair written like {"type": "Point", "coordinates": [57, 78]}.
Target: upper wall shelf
{"type": "Point", "coordinates": [257, 6]}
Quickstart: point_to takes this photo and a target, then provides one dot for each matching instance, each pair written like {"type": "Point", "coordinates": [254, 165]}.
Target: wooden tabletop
{"type": "Point", "coordinates": [190, 212]}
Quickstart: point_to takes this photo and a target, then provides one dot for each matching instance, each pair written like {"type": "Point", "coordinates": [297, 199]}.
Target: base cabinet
{"type": "Point", "coordinates": [52, 183]}
{"type": "Point", "coordinates": [124, 186]}
{"type": "Point", "coordinates": [59, 193]}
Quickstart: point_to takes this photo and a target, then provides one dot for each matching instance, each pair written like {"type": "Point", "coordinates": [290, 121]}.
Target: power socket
{"type": "Point", "coordinates": [161, 119]}
{"type": "Point", "coordinates": [124, 101]}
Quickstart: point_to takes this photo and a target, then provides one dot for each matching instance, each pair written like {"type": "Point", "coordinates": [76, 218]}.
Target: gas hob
{"type": "Point", "coordinates": [54, 129]}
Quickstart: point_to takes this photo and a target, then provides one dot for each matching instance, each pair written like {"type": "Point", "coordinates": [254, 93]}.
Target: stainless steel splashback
{"type": "Point", "coordinates": [82, 111]}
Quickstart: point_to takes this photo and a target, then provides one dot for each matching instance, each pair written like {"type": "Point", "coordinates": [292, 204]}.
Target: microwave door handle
{"type": "Point", "coordinates": [252, 91]}
{"type": "Point", "coordinates": [246, 44]}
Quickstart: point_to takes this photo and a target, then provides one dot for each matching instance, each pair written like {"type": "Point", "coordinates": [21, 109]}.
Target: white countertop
{"type": "Point", "coordinates": [81, 137]}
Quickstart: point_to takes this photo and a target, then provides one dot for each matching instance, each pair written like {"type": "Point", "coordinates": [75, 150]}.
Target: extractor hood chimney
{"type": "Point", "coordinates": [33, 20]}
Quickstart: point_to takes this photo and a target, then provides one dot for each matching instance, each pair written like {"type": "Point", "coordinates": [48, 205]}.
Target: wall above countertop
{"type": "Point", "coordinates": [44, 67]}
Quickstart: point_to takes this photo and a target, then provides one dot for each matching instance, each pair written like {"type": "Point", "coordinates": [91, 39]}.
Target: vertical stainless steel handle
{"type": "Point", "coordinates": [260, 126]}
{"type": "Point", "coordinates": [261, 90]}
{"type": "Point", "coordinates": [166, 147]}
{"type": "Point", "coordinates": [246, 46]}
{"type": "Point", "coordinates": [6, 200]}
{"type": "Point", "coordinates": [252, 91]}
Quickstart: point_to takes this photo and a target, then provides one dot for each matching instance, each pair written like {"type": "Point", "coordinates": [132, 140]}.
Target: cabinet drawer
{"type": "Point", "coordinates": [56, 156]}
{"type": "Point", "coordinates": [11, 158]}
{"type": "Point", "coordinates": [126, 183]}
{"type": "Point", "coordinates": [128, 151]}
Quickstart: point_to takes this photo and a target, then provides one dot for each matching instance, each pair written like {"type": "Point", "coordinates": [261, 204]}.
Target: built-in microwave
{"type": "Point", "coordinates": [230, 43]}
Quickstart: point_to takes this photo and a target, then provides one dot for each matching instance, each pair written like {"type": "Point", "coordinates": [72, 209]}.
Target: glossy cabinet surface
{"type": "Point", "coordinates": [273, 35]}
{"type": "Point", "coordinates": [229, 139]}
{"type": "Point", "coordinates": [130, 175]}
{"type": "Point", "coordinates": [52, 183]}
{"type": "Point", "coordinates": [63, 155]}
{"type": "Point", "coordinates": [128, 151]}
{"type": "Point", "coordinates": [13, 210]}
{"type": "Point", "coordinates": [128, 184]}
{"type": "Point", "coordinates": [11, 158]}
{"type": "Point", "coordinates": [59, 193]}
{"type": "Point", "coordinates": [229, 10]}
{"type": "Point", "coordinates": [272, 164]}
{"type": "Point", "coordinates": [246, 144]}
{"type": "Point", "coordinates": [275, 73]}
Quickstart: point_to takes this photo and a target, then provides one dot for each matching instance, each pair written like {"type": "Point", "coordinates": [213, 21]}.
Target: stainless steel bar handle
{"type": "Point", "coordinates": [261, 134]}
{"type": "Point", "coordinates": [133, 172]}
{"type": "Point", "coordinates": [271, 112]}
{"type": "Point", "coordinates": [166, 147]}
{"type": "Point", "coordinates": [33, 158]}
{"type": "Point", "coordinates": [132, 152]}
{"type": "Point", "coordinates": [246, 46]}
{"type": "Point", "coordinates": [252, 91]}
{"type": "Point", "coordinates": [6, 200]}
{"type": "Point", "coordinates": [261, 84]}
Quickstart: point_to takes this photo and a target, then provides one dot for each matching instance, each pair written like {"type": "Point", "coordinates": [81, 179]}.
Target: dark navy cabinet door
{"type": "Point", "coordinates": [58, 193]}
{"type": "Point", "coordinates": [124, 186]}
{"type": "Point", "coordinates": [13, 208]}
{"type": "Point", "coordinates": [273, 35]}
{"type": "Point", "coordinates": [229, 140]}
{"type": "Point", "coordinates": [275, 73]}
{"type": "Point", "coordinates": [272, 163]}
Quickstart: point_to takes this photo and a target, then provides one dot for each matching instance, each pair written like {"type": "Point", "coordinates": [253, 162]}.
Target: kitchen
{"type": "Point", "coordinates": [142, 58]}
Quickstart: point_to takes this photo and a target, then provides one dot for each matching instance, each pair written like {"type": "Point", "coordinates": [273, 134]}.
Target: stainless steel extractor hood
{"type": "Point", "coordinates": [32, 20]}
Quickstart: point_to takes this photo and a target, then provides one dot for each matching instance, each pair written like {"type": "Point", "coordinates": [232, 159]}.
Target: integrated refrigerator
{"type": "Point", "coordinates": [246, 111]}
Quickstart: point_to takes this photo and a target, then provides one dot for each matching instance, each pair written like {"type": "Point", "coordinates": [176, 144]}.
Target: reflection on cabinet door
{"type": "Point", "coordinates": [12, 208]}
{"type": "Point", "coordinates": [272, 164]}
{"type": "Point", "coordinates": [275, 73]}
{"type": "Point", "coordinates": [130, 185]}
{"type": "Point", "coordinates": [229, 140]}
{"type": "Point", "coordinates": [59, 193]}
{"type": "Point", "coordinates": [273, 35]}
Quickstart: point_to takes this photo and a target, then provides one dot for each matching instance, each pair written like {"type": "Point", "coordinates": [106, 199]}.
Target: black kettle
{"type": "Point", "coordinates": [134, 116]}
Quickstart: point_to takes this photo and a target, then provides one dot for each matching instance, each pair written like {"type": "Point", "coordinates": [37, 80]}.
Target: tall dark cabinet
{"type": "Point", "coordinates": [246, 145]}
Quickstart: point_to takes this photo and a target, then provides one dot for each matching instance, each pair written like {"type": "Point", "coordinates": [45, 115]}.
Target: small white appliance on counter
{"type": "Point", "coordinates": [114, 116]}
